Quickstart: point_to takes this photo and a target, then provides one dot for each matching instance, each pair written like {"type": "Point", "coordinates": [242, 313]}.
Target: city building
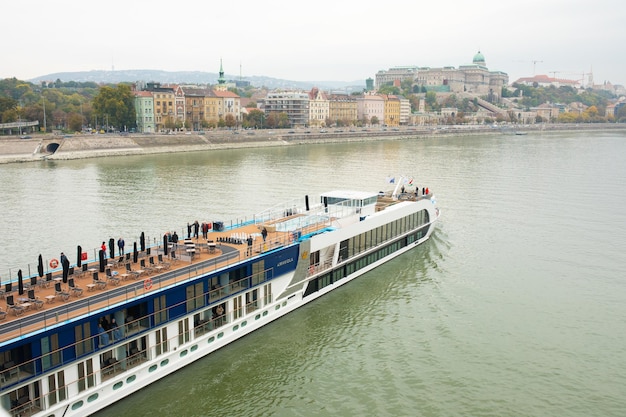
{"type": "Point", "coordinates": [474, 78]}
{"type": "Point", "coordinates": [370, 106]}
{"type": "Point", "coordinates": [342, 109]}
{"type": "Point", "coordinates": [144, 111]}
{"type": "Point", "coordinates": [294, 104]}
{"type": "Point", "coordinates": [319, 108]}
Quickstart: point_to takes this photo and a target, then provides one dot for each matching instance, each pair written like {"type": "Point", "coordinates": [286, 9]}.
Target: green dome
{"type": "Point", "coordinates": [479, 59]}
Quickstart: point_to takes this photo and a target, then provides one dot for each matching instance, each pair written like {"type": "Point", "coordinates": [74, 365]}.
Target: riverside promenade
{"type": "Point", "coordinates": [79, 146]}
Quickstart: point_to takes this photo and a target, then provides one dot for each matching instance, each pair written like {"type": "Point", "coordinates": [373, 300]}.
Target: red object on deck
{"type": "Point", "coordinates": [83, 256]}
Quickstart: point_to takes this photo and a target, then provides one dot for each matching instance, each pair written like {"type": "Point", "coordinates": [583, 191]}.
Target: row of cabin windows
{"type": "Point", "coordinates": [353, 266]}
{"type": "Point", "coordinates": [375, 237]}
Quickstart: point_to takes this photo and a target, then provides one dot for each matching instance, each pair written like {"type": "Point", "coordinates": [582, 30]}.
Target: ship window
{"type": "Point", "coordinates": [131, 379]}
{"type": "Point", "coordinates": [195, 296]}
{"type": "Point", "coordinates": [51, 356]}
{"type": "Point", "coordinates": [92, 397]}
{"type": "Point", "coordinates": [77, 405]}
{"type": "Point", "coordinates": [165, 362]}
{"type": "Point", "coordinates": [161, 341]}
{"type": "Point", "coordinates": [152, 368]}
{"type": "Point", "coordinates": [56, 388]}
{"type": "Point", "coordinates": [118, 385]}
{"type": "Point", "coordinates": [84, 342]}
{"type": "Point", "coordinates": [267, 293]}
{"type": "Point", "coordinates": [160, 310]}
{"type": "Point", "coordinates": [183, 331]}
{"type": "Point", "coordinates": [85, 375]}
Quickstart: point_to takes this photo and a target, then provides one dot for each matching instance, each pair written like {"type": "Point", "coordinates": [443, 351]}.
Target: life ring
{"type": "Point", "coordinates": [147, 284]}
{"type": "Point", "coordinates": [54, 263]}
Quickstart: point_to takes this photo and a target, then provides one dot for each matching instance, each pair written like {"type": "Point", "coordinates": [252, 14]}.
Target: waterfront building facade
{"type": "Point", "coordinates": [342, 109]}
{"type": "Point", "coordinates": [370, 106]}
{"type": "Point", "coordinates": [144, 111]}
{"type": "Point", "coordinates": [392, 110]}
{"type": "Point", "coordinates": [294, 104]}
{"type": "Point", "coordinates": [319, 108]}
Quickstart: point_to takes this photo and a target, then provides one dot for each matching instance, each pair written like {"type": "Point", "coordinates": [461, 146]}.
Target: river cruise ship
{"type": "Point", "coordinates": [76, 338]}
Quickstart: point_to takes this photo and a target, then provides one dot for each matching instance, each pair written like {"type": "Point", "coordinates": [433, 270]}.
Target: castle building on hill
{"type": "Point", "coordinates": [474, 78]}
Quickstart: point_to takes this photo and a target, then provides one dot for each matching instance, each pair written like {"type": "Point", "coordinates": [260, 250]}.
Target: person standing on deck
{"type": "Point", "coordinates": [264, 234]}
{"type": "Point", "coordinates": [249, 240]}
{"type": "Point", "coordinates": [120, 245]}
{"type": "Point", "coordinates": [196, 228]}
{"type": "Point", "coordinates": [175, 240]}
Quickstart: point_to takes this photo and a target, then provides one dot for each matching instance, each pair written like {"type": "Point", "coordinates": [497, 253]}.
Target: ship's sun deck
{"type": "Point", "coordinates": [125, 279]}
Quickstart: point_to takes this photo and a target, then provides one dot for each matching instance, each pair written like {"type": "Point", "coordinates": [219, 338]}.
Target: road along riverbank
{"type": "Point", "coordinates": [54, 147]}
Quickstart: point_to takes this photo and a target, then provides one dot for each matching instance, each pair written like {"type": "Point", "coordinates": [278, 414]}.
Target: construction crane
{"type": "Point", "coordinates": [534, 62]}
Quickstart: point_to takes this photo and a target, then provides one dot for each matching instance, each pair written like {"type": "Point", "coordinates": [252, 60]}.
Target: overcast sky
{"type": "Point", "coordinates": [319, 40]}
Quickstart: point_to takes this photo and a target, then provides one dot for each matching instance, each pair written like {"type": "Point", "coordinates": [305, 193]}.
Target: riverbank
{"type": "Point", "coordinates": [39, 147]}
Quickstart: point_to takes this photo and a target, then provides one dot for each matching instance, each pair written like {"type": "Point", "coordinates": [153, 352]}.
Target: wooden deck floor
{"type": "Point", "coordinates": [56, 310]}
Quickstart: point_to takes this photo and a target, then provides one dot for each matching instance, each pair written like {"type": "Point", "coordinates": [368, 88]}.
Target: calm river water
{"type": "Point", "coordinates": [515, 307]}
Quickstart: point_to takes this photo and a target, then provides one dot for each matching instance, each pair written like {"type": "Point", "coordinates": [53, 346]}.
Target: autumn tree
{"type": "Point", "coordinates": [117, 104]}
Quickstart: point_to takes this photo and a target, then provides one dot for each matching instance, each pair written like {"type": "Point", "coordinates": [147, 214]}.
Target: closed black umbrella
{"type": "Point", "coordinates": [65, 263]}
{"type": "Point", "coordinates": [79, 256]}
{"type": "Point", "coordinates": [165, 245]}
{"type": "Point", "coordinates": [111, 248]}
{"type": "Point", "coordinates": [142, 241]}
{"type": "Point", "coordinates": [135, 253]}
{"type": "Point", "coordinates": [20, 283]}
{"type": "Point", "coordinates": [40, 266]}
{"type": "Point", "coordinates": [102, 256]}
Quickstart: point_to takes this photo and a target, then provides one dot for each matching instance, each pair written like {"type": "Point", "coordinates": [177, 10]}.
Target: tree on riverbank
{"type": "Point", "coordinates": [116, 106]}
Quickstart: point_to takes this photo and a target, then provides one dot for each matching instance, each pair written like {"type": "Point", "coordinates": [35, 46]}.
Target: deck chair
{"type": "Point", "coordinates": [148, 269]}
{"type": "Point", "coordinates": [48, 279]}
{"type": "Point", "coordinates": [164, 264]}
{"type": "Point", "coordinates": [58, 291]}
{"type": "Point", "coordinates": [16, 309]}
{"type": "Point", "coordinates": [77, 291]}
{"type": "Point", "coordinates": [33, 299]}
{"type": "Point", "coordinates": [152, 265]}
{"type": "Point", "coordinates": [131, 272]}
{"type": "Point", "coordinates": [82, 271]}
{"type": "Point", "coordinates": [112, 276]}
{"type": "Point", "coordinates": [31, 283]}
{"type": "Point", "coordinates": [8, 288]}
{"type": "Point", "coordinates": [3, 314]}
{"type": "Point", "coordinates": [101, 284]}
{"type": "Point", "coordinates": [174, 259]}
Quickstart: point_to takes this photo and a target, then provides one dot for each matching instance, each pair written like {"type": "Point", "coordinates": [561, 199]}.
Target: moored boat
{"type": "Point", "coordinates": [82, 341]}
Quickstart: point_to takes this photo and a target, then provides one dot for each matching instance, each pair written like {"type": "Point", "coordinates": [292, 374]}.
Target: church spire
{"type": "Point", "coordinates": [221, 80]}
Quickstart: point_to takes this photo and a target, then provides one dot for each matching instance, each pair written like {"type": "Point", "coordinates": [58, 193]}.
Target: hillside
{"type": "Point", "coordinates": [192, 77]}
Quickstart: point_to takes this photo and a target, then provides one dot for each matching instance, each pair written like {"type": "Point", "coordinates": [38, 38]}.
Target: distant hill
{"type": "Point", "coordinates": [192, 77]}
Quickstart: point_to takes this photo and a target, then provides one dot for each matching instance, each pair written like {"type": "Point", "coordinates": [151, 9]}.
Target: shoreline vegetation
{"type": "Point", "coordinates": [41, 147]}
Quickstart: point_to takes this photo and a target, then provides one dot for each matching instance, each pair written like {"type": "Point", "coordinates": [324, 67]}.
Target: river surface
{"type": "Point", "coordinates": [515, 307]}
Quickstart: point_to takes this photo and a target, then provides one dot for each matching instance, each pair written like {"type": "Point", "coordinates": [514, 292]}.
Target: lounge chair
{"type": "Point", "coordinates": [64, 295]}
{"type": "Point", "coordinates": [112, 276]}
{"type": "Point", "coordinates": [33, 299]}
{"type": "Point", "coordinates": [15, 308]}
{"type": "Point", "coordinates": [77, 291]}
{"type": "Point", "coordinates": [164, 264]}
{"type": "Point", "coordinates": [98, 282]}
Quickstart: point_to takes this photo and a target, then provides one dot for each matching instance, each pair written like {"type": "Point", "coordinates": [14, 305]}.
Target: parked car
{"type": "Point", "coordinates": [26, 137]}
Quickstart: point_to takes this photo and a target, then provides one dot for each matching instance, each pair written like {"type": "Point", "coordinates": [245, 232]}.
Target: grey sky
{"type": "Point", "coordinates": [314, 41]}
